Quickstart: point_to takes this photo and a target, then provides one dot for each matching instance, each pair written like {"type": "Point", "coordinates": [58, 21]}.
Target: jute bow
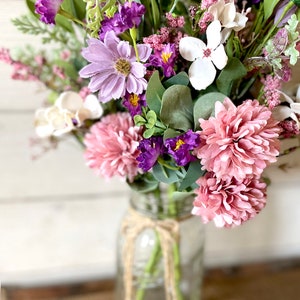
{"type": "Point", "coordinates": [168, 232]}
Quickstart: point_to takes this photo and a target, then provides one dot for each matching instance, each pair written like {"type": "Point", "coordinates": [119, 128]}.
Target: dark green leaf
{"type": "Point", "coordinates": [171, 133]}
{"type": "Point", "coordinates": [163, 174]}
{"type": "Point", "coordinates": [177, 107]}
{"type": "Point", "coordinates": [234, 70]}
{"type": "Point", "coordinates": [205, 106]}
{"type": "Point", "coordinates": [154, 92]}
{"type": "Point", "coordinates": [194, 172]}
{"type": "Point", "coordinates": [181, 78]}
{"type": "Point", "coordinates": [144, 183]}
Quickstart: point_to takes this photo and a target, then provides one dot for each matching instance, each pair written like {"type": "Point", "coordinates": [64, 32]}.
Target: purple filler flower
{"type": "Point", "coordinates": [150, 149]}
{"type": "Point", "coordinates": [134, 103]}
{"type": "Point", "coordinates": [129, 16]}
{"type": "Point", "coordinates": [164, 59]}
{"type": "Point", "coordinates": [179, 147]}
{"type": "Point", "coordinates": [113, 67]}
{"type": "Point", "coordinates": [47, 9]}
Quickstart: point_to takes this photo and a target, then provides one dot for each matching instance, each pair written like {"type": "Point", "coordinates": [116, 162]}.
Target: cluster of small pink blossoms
{"type": "Point", "coordinates": [207, 3]}
{"type": "Point", "coordinates": [272, 85]}
{"type": "Point", "coordinates": [170, 34]}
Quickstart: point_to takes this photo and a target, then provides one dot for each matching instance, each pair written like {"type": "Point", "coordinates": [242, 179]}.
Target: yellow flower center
{"type": "Point", "coordinates": [165, 56]}
{"type": "Point", "coordinates": [179, 143]}
{"type": "Point", "coordinates": [134, 99]}
{"type": "Point", "coordinates": [123, 66]}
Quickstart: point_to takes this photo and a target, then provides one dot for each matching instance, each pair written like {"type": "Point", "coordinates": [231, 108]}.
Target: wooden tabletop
{"type": "Point", "coordinates": [261, 281]}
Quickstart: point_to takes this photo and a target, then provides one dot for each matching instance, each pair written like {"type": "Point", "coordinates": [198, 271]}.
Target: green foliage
{"type": "Point", "coordinates": [181, 78]}
{"type": "Point", "coordinates": [205, 106]}
{"type": "Point", "coordinates": [269, 6]}
{"type": "Point", "coordinates": [193, 173]}
{"type": "Point", "coordinates": [177, 108]}
{"type": "Point", "coordinates": [154, 92]}
{"type": "Point", "coordinates": [165, 174]}
{"type": "Point", "coordinates": [28, 24]}
{"type": "Point", "coordinates": [234, 70]}
{"type": "Point", "coordinates": [144, 183]}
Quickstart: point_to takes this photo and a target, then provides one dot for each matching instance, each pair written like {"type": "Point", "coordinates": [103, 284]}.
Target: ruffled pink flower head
{"type": "Point", "coordinates": [238, 141]}
{"type": "Point", "coordinates": [228, 203]}
{"type": "Point", "coordinates": [112, 146]}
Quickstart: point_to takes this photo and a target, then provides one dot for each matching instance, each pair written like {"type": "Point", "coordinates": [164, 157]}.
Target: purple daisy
{"type": "Point", "coordinates": [113, 67]}
{"type": "Point", "coordinates": [47, 9]}
{"type": "Point", "coordinates": [150, 149]}
{"type": "Point", "coordinates": [134, 103]}
{"type": "Point", "coordinates": [129, 16]}
{"type": "Point", "coordinates": [181, 146]}
{"type": "Point", "coordinates": [164, 59]}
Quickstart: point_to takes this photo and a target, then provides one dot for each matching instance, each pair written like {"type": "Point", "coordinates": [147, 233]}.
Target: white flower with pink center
{"type": "Point", "coordinates": [205, 58]}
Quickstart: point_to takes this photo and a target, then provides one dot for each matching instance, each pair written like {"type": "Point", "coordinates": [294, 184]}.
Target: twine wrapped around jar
{"type": "Point", "coordinates": [168, 232]}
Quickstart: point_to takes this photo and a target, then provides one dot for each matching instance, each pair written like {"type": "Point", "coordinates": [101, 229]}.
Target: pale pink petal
{"type": "Point", "coordinates": [144, 51]}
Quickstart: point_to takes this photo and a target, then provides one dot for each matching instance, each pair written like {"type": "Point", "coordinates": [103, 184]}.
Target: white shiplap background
{"type": "Point", "coordinates": [58, 222]}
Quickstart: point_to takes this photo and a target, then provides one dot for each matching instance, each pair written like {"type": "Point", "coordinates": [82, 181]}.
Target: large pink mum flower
{"type": "Point", "coordinates": [238, 141]}
{"type": "Point", "coordinates": [111, 146]}
{"type": "Point", "coordinates": [228, 202]}
{"type": "Point", "coordinates": [114, 68]}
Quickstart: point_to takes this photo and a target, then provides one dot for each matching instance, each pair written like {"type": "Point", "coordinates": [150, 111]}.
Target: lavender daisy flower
{"type": "Point", "coordinates": [47, 9]}
{"type": "Point", "coordinates": [150, 149]}
{"type": "Point", "coordinates": [129, 16]}
{"type": "Point", "coordinates": [180, 147]}
{"type": "Point", "coordinates": [134, 103]}
{"type": "Point", "coordinates": [164, 59]}
{"type": "Point", "coordinates": [113, 67]}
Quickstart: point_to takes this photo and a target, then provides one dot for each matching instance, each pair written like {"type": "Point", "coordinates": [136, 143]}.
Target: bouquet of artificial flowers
{"type": "Point", "coordinates": [185, 93]}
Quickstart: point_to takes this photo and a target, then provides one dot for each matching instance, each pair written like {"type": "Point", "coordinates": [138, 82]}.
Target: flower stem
{"type": "Point", "coordinates": [70, 17]}
{"type": "Point", "coordinates": [150, 267]}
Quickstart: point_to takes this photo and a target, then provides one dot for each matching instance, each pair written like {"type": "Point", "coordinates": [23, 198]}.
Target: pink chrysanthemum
{"type": "Point", "coordinates": [111, 146]}
{"type": "Point", "coordinates": [238, 141]}
{"type": "Point", "coordinates": [228, 203]}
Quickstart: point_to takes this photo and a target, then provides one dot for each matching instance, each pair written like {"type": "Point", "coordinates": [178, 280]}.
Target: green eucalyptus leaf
{"type": "Point", "coordinates": [171, 133]}
{"type": "Point", "coordinates": [154, 92]}
{"type": "Point", "coordinates": [234, 70]}
{"type": "Point", "coordinates": [163, 174]}
{"type": "Point", "coordinates": [181, 78]}
{"type": "Point", "coordinates": [144, 183]}
{"type": "Point", "coordinates": [177, 107]}
{"type": "Point", "coordinates": [193, 173]}
{"type": "Point", "coordinates": [205, 106]}
{"type": "Point", "coordinates": [269, 6]}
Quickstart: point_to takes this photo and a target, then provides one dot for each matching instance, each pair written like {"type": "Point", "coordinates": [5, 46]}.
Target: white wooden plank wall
{"type": "Point", "coordinates": [58, 222]}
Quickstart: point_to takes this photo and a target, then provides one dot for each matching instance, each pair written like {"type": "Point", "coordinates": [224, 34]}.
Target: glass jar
{"type": "Point", "coordinates": [160, 249]}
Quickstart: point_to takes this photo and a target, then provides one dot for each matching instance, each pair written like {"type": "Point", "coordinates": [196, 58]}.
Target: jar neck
{"type": "Point", "coordinates": [162, 204]}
